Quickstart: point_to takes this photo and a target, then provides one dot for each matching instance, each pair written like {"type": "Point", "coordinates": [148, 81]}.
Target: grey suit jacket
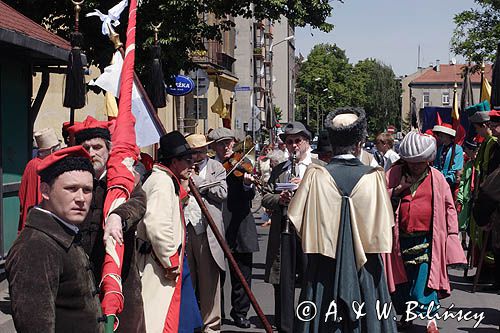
{"type": "Point", "coordinates": [213, 196]}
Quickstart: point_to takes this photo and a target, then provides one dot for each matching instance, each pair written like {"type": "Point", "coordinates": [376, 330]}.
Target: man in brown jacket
{"type": "Point", "coordinates": [121, 224]}
{"type": "Point", "coordinates": [50, 281]}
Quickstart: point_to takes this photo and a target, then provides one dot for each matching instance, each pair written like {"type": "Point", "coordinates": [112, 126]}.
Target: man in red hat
{"type": "Point", "coordinates": [449, 166]}
{"type": "Point", "coordinates": [50, 284]}
{"type": "Point", "coordinates": [95, 137]}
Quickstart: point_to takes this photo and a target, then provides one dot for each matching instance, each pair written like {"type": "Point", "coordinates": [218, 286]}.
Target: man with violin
{"type": "Point", "coordinates": [241, 232]}
{"type": "Point", "coordinates": [284, 260]}
{"type": "Point", "coordinates": [205, 255]}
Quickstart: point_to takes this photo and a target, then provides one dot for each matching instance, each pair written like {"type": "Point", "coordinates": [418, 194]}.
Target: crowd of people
{"type": "Point", "coordinates": [344, 226]}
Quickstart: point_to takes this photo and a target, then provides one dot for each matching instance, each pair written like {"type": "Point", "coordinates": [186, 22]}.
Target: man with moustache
{"type": "Point", "coordinates": [121, 224]}
{"type": "Point", "coordinates": [241, 232]}
{"type": "Point", "coordinates": [282, 268]}
{"type": "Point", "coordinates": [205, 255]}
{"type": "Point", "coordinates": [50, 282]}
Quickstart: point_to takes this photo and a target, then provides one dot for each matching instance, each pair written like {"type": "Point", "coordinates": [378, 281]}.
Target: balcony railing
{"type": "Point", "coordinates": [215, 55]}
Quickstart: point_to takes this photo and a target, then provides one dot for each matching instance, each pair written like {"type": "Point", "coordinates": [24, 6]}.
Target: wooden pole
{"type": "Point", "coordinates": [229, 256]}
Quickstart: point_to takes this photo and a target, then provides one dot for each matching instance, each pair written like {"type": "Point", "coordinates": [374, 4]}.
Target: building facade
{"type": "Point", "coordinates": [265, 66]}
{"type": "Point", "coordinates": [433, 86]}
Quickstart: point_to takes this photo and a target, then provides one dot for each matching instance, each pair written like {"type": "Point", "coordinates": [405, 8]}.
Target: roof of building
{"type": "Point", "coordinates": [21, 32]}
{"type": "Point", "coordinates": [450, 74]}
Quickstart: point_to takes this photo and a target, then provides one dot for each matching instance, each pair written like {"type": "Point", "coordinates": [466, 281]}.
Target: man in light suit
{"type": "Point", "coordinates": [205, 256]}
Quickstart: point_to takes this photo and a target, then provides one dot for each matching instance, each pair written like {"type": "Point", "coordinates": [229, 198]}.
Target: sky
{"type": "Point", "coordinates": [390, 31]}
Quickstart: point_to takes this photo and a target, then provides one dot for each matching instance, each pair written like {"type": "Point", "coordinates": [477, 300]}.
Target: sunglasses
{"type": "Point", "coordinates": [296, 141]}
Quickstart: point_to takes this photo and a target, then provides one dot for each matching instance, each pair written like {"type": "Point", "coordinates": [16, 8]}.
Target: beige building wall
{"type": "Point", "coordinates": [406, 98]}
{"type": "Point", "coordinates": [283, 69]}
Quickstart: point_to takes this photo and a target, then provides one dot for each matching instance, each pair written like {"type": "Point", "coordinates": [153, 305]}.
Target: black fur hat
{"type": "Point", "coordinates": [346, 126]}
{"type": "Point", "coordinates": [64, 160]}
{"type": "Point", "coordinates": [91, 133]}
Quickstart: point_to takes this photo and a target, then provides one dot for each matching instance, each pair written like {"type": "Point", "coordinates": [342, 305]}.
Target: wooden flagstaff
{"type": "Point", "coordinates": [119, 46]}
{"type": "Point", "coordinates": [229, 256]}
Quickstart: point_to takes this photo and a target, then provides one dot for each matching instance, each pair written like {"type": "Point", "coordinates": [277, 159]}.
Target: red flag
{"type": "Point", "coordinates": [120, 176]}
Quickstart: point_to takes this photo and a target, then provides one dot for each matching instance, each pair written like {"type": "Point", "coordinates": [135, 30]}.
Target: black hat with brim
{"type": "Point", "coordinates": [324, 145]}
{"type": "Point", "coordinates": [173, 144]}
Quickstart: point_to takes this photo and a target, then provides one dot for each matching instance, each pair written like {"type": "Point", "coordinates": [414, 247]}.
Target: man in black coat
{"type": "Point", "coordinates": [49, 274]}
{"type": "Point", "coordinates": [121, 224]}
{"type": "Point", "coordinates": [241, 232]}
{"type": "Point", "coordinates": [284, 259]}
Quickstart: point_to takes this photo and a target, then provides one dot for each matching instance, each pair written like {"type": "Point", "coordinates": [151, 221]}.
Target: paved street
{"type": "Point", "coordinates": [462, 299]}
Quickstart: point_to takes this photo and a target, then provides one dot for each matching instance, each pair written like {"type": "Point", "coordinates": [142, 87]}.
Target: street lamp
{"type": "Point", "coordinates": [271, 104]}
{"type": "Point", "coordinates": [307, 102]}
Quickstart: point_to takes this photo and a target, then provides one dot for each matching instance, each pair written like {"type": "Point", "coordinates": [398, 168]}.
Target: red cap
{"type": "Point", "coordinates": [494, 113]}
{"type": "Point", "coordinates": [74, 151]}
{"type": "Point", "coordinates": [66, 125]}
{"type": "Point", "coordinates": [91, 122]}
{"type": "Point", "coordinates": [147, 161]}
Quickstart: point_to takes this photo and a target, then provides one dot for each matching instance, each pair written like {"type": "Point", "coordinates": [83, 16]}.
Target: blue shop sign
{"type": "Point", "coordinates": [183, 86]}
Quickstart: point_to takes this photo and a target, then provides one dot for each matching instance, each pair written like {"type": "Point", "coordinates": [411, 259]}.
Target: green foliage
{"type": "Point", "coordinates": [324, 74]}
{"type": "Point", "coordinates": [327, 80]}
{"type": "Point", "coordinates": [185, 24]}
{"type": "Point", "coordinates": [278, 113]}
{"type": "Point", "coordinates": [477, 31]}
{"type": "Point", "coordinates": [379, 93]}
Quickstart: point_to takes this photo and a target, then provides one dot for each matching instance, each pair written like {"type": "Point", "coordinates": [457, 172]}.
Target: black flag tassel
{"type": "Point", "coordinates": [74, 92]}
{"type": "Point", "coordinates": [156, 85]}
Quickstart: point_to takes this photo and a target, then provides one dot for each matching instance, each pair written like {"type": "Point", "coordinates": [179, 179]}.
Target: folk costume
{"type": "Point", "coordinates": [465, 190]}
{"type": "Point", "coordinates": [131, 212]}
{"type": "Point", "coordinates": [283, 265]}
{"type": "Point", "coordinates": [425, 239]}
{"type": "Point", "coordinates": [169, 305]}
{"type": "Point", "coordinates": [29, 190]}
{"type": "Point", "coordinates": [241, 232]}
{"type": "Point", "coordinates": [204, 254]}
{"type": "Point", "coordinates": [343, 231]}
{"type": "Point", "coordinates": [50, 280]}
{"type": "Point", "coordinates": [485, 163]}
{"type": "Point", "coordinates": [443, 157]}
{"type": "Point", "coordinates": [485, 209]}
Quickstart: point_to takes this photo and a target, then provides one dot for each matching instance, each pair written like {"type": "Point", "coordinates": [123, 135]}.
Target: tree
{"type": "Point", "coordinates": [378, 92]}
{"type": "Point", "coordinates": [327, 80]}
{"type": "Point", "coordinates": [184, 23]}
{"type": "Point", "coordinates": [322, 83]}
{"type": "Point", "coordinates": [477, 31]}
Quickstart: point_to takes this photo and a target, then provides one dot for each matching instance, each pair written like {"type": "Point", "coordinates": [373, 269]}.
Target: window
{"type": "Point", "coordinates": [426, 99]}
{"type": "Point", "coordinates": [445, 98]}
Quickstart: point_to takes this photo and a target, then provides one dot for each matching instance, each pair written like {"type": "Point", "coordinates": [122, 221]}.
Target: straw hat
{"type": "Point", "coordinates": [46, 138]}
{"type": "Point", "coordinates": [197, 141]}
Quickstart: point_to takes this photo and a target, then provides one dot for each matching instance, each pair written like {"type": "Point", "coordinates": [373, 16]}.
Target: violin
{"type": "Point", "coordinates": [238, 165]}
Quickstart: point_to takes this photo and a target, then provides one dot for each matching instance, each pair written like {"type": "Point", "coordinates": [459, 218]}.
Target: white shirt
{"type": "Point", "coordinates": [300, 167]}
{"type": "Point", "coordinates": [390, 157]}
{"type": "Point", "coordinates": [192, 212]}
{"type": "Point", "coordinates": [345, 157]}
{"type": "Point", "coordinates": [70, 226]}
